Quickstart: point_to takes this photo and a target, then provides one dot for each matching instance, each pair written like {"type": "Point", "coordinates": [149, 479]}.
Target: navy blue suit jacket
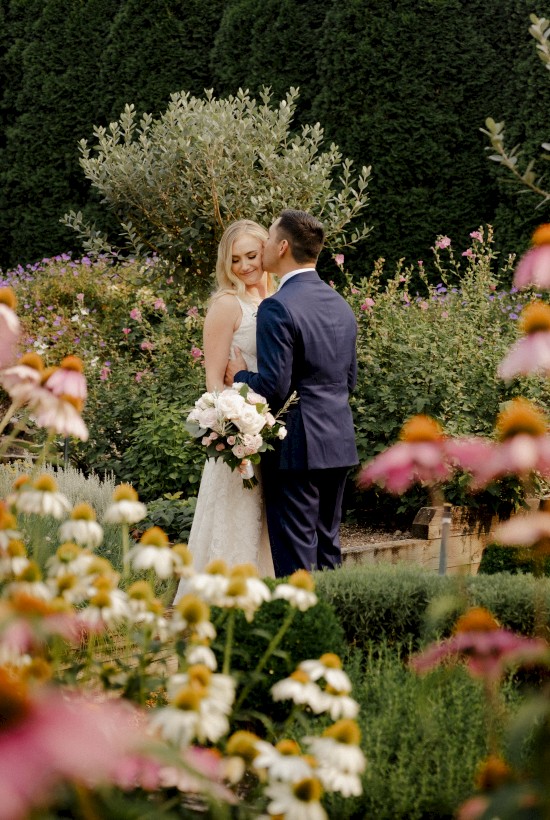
{"type": "Point", "coordinates": [306, 340]}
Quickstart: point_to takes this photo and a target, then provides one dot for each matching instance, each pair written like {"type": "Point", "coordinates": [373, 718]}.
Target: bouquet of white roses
{"type": "Point", "coordinates": [236, 425]}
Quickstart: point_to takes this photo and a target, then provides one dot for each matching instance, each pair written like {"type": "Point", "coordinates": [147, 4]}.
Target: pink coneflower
{"type": "Point", "coordinates": [534, 266]}
{"type": "Point", "coordinates": [487, 649]}
{"type": "Point", "coordinates": [420, 456]}
{"type": "Point", "coordinates": [10, 327]}
{"type": "Point", "coordinates": [68, 379]}
{"type": "Point", "coordinates": [530, 354]}
{"type": "Point", "coordinates": [21, 379]}
{"type": "Point", "coordinates": [528, 530]}
{"type": "Point", "coordinates": [41, 743]}
{"type": "Point", "coordinates": [58, 414]}
{"type": "Point", "coordinates": [523, 446]}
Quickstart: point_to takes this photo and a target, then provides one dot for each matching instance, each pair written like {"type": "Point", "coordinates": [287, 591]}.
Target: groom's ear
{"type": "Point", "coordinates": [283, 247]}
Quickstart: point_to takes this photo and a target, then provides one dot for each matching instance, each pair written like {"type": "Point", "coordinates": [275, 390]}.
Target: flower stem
{"type": "Point", "coordinates": [273, 644]}
{"type": "Point", "coordinates": [229, 643]}
{"type": "Point", "coordinates": [125, 552]}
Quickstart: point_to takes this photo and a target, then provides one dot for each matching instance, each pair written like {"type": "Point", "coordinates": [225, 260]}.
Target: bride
{"type": "Point", "coordinates": [229, 520]}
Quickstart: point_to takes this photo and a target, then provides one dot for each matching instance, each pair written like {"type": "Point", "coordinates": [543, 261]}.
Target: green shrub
{"type": "Point", "coordinates": [396, 604]}
{"type": "Point", "coordinates": [310, 635]}
{"type": "Point", "coordinates": [422, 736]}
{"type": "Point", "coordinates": [496, 558]}
{"type": "Point", "coordinates": [173, 514]}
{"type": "Point", "coordinates": [435, 350]}
{"type": "Point", "coordinates": [174, 183]}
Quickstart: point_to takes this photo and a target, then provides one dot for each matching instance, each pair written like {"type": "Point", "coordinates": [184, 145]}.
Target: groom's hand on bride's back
{"type": "Point", "coordinates": [233, 366]}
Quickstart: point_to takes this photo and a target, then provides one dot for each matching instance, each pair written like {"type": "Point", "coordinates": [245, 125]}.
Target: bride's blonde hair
{"type": "Point", "coordinates": [226, 279]}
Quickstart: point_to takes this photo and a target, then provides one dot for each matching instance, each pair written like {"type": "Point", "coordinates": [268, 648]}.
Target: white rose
{"type": "Point", "coordinates": [252, 443]}
{"type": "Point", "coordinates": [230, 404]}
{"type": "Point", "coordinates": [250, 421]}
{"type": "Point", "coordinates": [207, 417]}
{"type": "Point", "coordinates": [269, 419]}
{"type": "Point", "coordinates": [238, 451]}
{"type": "Point", "coordinates": [255, 398]}
{"type": "Point", "coordinates": [281, 433]}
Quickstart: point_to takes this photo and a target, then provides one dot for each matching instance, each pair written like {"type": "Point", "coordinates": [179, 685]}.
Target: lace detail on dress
{"type": "Point", "coordinates": [229, 520]}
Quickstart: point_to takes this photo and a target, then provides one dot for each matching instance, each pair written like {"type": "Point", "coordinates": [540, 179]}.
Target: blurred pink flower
{"type": "Point", "coordinates": [524, 530]}
{"type": "Point", "coordinates": [406, 463]}
{"type": "Point", "coordinates": [159, 304]}
{"type": "Point", "coordinates": [367, 304]}
{"type": "Point", "coordinates": [468, 252]}
{"type": "Point", "coordinates": [9, 335]}
{"type": "Point", "coordinates": [196, 352]}
{"type": "Point", "coordinates": [530, 354]}
{"type": "Point", "coordinates": [139, 375]}
{"type": "Point", "coordinates": [126, 330]}
{"type": "Point", "coordinates": [135, 314]}
{"type": "Point", "coordinates": [56, 414]}
{"type": "Point", "coordinates": [488, 460]}
{"type": "Point", "coordinates": [145, 345]}
{"type": "Point", "coordinates": [477, 235]}
{"type": "Point", "coordinates": [442, 242]}
{"type": "Point", "coordinates": [21, 380]}
{"type": "Point", "coordinates": [339, 259]}
{"type": "Point", "coordinates": [80, 297]}
{"type": "Point", "coordinates": [487, 653]}
{"type": "Point", "coordinates": [53, 737]}
{"type": "Point", "coordinates": [104, 373]}
{"type": "Point", "coordinates": [534, 268]}
{"type": "Point", "coordinates": [193, 311]}
{"type": "Point", "coordinates": [68, 379]}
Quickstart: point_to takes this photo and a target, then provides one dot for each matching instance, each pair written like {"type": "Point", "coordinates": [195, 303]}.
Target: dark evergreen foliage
{"type": "Point", "coordinates": [404, 87]}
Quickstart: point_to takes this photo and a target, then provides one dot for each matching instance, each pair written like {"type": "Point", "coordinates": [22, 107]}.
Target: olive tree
{"type": "Point", "coordinates": [525, 175]}
{"type": "Point", "coordinates": [175, 182]}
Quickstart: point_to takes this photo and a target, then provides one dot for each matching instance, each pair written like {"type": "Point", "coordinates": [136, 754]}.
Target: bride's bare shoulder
{"type": "Point", "coordinates": [224, 308]}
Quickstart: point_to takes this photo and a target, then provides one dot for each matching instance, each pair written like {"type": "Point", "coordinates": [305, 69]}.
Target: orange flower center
{"type": "Point", "coordinates": [476, 619]}
{"type": "Point", "coordinates": [7, 297]}
{"type": "Point", "coordinates": [421, 428]}
{"type": "Point", "coordinates": [535, 318]}
{"type": "Point", "coordinates": [72, 363]}
{"type": "Point", "coordinates": [302, 580]}
{"type": "Point", "coordinates": [14, 701]}
{"type": "Point", "coordinates": [125, 492]}
{"type": "Point", "coordinates": [520, 416]}
{"type": "Point", "coordinates": [541, 236]}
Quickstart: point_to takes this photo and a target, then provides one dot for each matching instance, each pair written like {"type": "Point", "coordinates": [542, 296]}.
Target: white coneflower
{"type": "Point", "coordinates": [340, 705]}
{"type": "Point", "coordinates": [69, 586]}
{"type": "Point", "coordinates": [125, 509]}
{"type": "Point", "coordinates": [13, 559]}
{"type": "Point", "coordinates": [200, 702]}
{"type": "Point", "coordinates": [147, 610]}
{"type": "Point", "coordinates": [154, 552]}
{"type": "Point", "coordinates": [183, 566]}
{"type": "Point", "coordinates": [68, 379]}
{"type": "Point", "coordinates": [298, 591]}
{"type": "Point", "coordinates": [340, 760]}
{"type": "Point", "coordinates": [43, 498]}
{"type": "Point", "coordinates": [8, 525]}
{"type": "Point", "coordinates": [29, 581]}
{"type": "Point", "coordinates": [192, 614]}
{"type": "Point", "coordinates": [245, 591]}
{"type": "Point", "coordinates": [69, 558]}
{"type": "Point", "coordinates": [82, 527]}
{"type": "Point", "coordinates": [283, 761]}
{"type": "Point", "coordinates": [211, 584]}
{"type": "Point", "coordinates": [329, 667]}
{"type": "Point", "coordinates": [107, 605]}
{"type": "Point", "coordinates": [300, 690]}
{"type": "Point", "coordinates": [297, 801]}
{"type": "Point", "coordinates": [200, 653]}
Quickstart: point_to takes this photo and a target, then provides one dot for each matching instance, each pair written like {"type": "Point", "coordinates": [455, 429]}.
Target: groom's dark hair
{"type": "Point", "coordinates": [303, 232]}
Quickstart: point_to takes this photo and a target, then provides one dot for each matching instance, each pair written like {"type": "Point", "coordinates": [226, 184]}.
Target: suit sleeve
{"type": "Point", "coordinates": [352, 373]}
{"type": "Point", "coordinates": [275, 336]}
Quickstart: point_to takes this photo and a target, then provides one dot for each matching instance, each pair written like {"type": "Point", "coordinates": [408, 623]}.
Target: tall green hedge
{"type": "Point", "coordinates": [404, 87]}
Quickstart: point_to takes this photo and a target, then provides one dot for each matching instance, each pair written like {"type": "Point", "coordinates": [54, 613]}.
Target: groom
{"type": "Point", "coordinates": [306, 334]}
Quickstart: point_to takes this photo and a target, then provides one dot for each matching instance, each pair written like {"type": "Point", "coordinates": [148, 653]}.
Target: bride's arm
{"type": "Point", "coordinates": [222, 320]}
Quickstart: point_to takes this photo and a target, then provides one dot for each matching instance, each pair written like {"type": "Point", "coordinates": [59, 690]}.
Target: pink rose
{"type": "Point", "coordinates": [135, 314]}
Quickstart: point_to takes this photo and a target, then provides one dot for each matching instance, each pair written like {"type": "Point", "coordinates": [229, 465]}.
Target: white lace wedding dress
{"type": "Point", "coordinates": [229, 520]}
